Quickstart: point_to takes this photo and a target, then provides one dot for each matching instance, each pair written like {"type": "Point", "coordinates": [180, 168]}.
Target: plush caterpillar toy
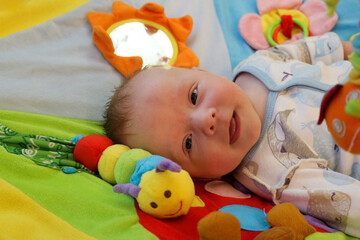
{"type": "Point", "coordinates": [161, 188]}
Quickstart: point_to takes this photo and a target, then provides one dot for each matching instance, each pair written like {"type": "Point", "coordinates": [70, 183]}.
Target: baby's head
{"type": "Point", "coordinates": [200, 120]}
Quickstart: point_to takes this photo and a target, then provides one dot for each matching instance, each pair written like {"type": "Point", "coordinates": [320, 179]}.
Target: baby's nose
{"type": "Point", "coordinates": [206, 120]}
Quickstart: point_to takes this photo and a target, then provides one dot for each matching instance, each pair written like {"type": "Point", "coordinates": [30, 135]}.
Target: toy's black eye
{"type": "Point", "coordinates": [167, 193]}
{"type": "Point", "coordinates": [153, 205]}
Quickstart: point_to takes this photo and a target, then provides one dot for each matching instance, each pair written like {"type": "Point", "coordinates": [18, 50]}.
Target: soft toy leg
{"type": "Point", "coordinates": [219, 225]}
{"type": "Point", "coordinates": [278, 233]}
{"type": "Point", "coordinates": [286, 214]}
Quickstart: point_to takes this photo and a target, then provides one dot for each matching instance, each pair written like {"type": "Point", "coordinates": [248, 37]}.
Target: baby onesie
{"type": "Point", "coordinates": [295, 160]}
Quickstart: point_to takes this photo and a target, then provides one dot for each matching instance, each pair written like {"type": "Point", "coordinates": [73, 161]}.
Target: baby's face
{"type": "Point", "coordinates": [202, 121]}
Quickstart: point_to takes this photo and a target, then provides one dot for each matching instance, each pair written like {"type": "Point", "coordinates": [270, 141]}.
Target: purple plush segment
{"type": "Point", "coordinates": [167, 164]}
{"type": "Point", "coordinates": [128, 188]}
{"type": "Point", "coordinates": [318, 223]}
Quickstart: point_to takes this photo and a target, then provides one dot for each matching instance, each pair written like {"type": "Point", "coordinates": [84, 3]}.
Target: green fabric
{"type": "Point", "coordinates": [46, 151]}
{"type": "Point", "coordinates": [85, 201]}
{"type": "Point", "coordinates": [329, 236]}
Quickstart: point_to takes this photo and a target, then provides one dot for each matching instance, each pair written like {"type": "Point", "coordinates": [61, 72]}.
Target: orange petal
{"type": "Point", "coordinates": [123, 11]}
{"type": "Point", "coordinates": [103, 40]}
{"type": "Point", "coordinates": [103, 19]}
{"type": "Point", "coordinates": [126, 65]}
{"type": "Point", "coordinates": [186, 57]}
{"type": "Point", "coordinates": [181, 27]}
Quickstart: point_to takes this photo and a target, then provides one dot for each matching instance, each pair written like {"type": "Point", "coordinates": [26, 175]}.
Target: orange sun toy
{"type": "Point", "coordinates": [131, 38]}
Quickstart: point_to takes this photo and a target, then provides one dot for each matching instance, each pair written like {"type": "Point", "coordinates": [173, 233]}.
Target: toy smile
{"type": "Point", "coordinates": [234, 128]}
{"type": "Point", "coordinates": [176, 211]}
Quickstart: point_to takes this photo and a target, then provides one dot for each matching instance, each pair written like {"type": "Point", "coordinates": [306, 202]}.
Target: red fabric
{"type": "Point", "coordinates": [185, 227]}
{"type": "Point", "coordinates": [326, 100]}
{"type": "Point", "coordinates": [287, 25]}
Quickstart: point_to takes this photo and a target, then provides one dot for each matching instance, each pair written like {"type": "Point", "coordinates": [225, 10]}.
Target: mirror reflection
{"type": "Point", "coordinates": [139, 39]}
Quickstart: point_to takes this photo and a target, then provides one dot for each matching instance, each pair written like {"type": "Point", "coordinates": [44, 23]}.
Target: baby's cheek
{"type": "Point", "coordinates": [221, 165]}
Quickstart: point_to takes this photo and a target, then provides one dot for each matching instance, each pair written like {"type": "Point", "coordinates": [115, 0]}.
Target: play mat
{"type": "Point", "coordinates": [54, 84]}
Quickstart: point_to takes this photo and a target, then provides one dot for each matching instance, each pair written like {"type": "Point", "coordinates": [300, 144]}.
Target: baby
{"type": "Point", "coordinates": [261, 127]}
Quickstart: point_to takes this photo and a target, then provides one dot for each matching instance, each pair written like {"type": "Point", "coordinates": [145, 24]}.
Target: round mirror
{"type": "Point", "coordinates": [148, 40]}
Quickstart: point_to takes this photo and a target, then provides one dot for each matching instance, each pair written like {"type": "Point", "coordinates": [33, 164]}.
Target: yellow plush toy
{"type": "Point", "coordinates": [161, 188]}
{"type": "Point", "coordinates": [164, 192]}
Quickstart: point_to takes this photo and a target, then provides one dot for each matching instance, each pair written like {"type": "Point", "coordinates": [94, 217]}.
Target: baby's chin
{"type": "Point", "coordinates": [212, 173]}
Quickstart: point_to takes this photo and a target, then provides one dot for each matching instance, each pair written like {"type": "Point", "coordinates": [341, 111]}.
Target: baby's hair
{"type": "Point", "coordinates": [117, 115]}
{"type": "Point", "coordinates": [117, 112]}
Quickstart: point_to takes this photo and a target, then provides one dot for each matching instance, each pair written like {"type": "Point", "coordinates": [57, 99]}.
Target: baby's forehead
{"type": "Point", "coordinates": [155, 70]}
{"type": "Point", "coordinates": [147, 72]}
{"type": "Point", "coordinates": [161, 76]}
{"type": "Point", "coordinates": [163, 70]}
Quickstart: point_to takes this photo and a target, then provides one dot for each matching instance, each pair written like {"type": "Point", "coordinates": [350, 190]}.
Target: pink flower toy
{"type": "Point", "coordinates": [284, 21]}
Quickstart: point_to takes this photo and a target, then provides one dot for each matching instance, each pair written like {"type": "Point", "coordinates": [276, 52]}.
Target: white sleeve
{"type": "Point", "coordinates": [349, 164]}
{"type": "Point", "coordinates": [326, 48]}
{"type": "Point", "coordinates": [325, 194]}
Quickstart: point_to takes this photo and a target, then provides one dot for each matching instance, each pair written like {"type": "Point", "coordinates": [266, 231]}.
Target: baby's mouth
{"type": "Point", "coordinates": [234, 128]}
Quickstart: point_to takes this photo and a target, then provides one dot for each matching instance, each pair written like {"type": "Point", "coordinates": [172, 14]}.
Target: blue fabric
{"type": "Point", "coordinates": [349, 17]}
{"type": "Point", "coordinates": [144, 165]}
{"type": "Point", "coordinates": [229, 13]}
{"type": "Point", "coordinates": [251, 219]}
{"type": "Point", "coordinates": [77, 138]}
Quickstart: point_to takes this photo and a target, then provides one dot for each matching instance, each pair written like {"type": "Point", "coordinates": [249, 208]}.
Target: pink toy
{"type": "Point", "coordinates": [254, 27]}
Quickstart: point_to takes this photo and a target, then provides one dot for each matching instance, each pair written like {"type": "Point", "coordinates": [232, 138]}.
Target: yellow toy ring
{"type": "Point", "coordinates": [269, 35]}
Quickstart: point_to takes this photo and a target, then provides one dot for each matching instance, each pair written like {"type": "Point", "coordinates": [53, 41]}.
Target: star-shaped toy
{"type": "Point", "coordinates": [150, 14]}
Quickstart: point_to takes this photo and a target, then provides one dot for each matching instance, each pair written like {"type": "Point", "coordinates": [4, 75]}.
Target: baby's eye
{"type": "Point", "coordinates": [194, 95]}
{"type": "Point", "coordinates": [188, 143]}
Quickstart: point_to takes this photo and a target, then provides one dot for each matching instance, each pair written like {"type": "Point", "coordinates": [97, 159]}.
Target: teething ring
{"type": "Point", "coordinates": [275, 28]}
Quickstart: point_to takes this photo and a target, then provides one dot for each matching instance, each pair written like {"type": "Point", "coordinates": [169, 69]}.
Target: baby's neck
{"type": "Point", "coordinates": [256, 91]}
